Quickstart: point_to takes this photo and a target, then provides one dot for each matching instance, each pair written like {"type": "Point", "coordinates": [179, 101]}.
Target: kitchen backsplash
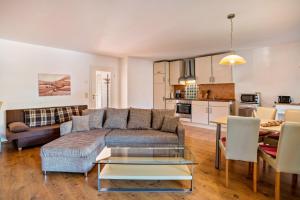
{"type": "Point", "coordinates": [224, 91]}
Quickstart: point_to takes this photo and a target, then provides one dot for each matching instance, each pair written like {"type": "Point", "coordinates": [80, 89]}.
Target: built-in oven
{"type": "Point", "coordinates": [184, 108]}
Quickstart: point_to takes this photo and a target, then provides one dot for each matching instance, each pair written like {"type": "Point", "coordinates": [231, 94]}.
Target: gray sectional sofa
{"type": "Point", "coordinates": [77, 151]}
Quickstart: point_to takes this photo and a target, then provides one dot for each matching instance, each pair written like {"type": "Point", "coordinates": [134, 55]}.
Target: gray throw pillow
{"type": "Point", "coordinates": [139, 118]}
{"type": "Point", "coordinates": [80, 123]}
{"type": "Point", "coordinates": [116, 118]}
{"type": "Point", "coordinates": [170, 124]}
{"type": "Point", "coordinates": [17, 127]}
{"type": "Point", "coordinates": [65, 128]}
{"type": "Point", "coordinates": [96, 117]}
{"type": "Point", "coordinates": [158, 117]}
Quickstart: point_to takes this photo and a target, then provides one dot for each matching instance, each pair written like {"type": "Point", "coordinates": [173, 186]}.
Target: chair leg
{"type": "Point", "coordinates": [277, 186]}
{"type": "Point", "coordinates": [264, 165]}
{"type": "Point", "coordinates": [227, 172]}
{"type": "Point", "coordinates": [294, 180]}
{"type": "Point", "coordinates": [254, 177]}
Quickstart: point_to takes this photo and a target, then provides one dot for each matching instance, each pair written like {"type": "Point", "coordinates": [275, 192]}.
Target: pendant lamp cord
{"type": "Point", "coordinates": [231, 33]}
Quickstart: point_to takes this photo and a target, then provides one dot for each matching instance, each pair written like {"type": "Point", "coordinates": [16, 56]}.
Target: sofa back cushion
{"type": "Point", "coordinates": [139, 118]}
{"type": "Point", "coordinates": [116, 118]}
{"type": "Point", "coordinates": [170, 124]}
{"type": "Point", "coordinates": [158, 117]}
{"type": "Point", "coordinates": [96, 117]}
{"type": "Point", "coordinates": [39, 117]}
{"type": "Point", "coordinates": [65, 114]}
{"type": "Point", "coordinates": [80, 123]}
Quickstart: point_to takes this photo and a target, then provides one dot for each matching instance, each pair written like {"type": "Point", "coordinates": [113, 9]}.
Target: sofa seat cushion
{"type": "Point", "coordinates": [138, 137]}
{"type": "Point", "coordinates": [79, 144]}
{"type": "Point", "coordinates": [32, 132]}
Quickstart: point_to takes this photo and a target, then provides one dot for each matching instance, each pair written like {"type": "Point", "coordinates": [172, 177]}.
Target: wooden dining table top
{"type": "Point", "coordinates": [223, 121]}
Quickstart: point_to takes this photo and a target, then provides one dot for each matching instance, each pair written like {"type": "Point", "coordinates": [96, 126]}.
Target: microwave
{"type": "Point", "coordinates": [284, 99]}
{"type": "Point", "coordinates": [250, 98]}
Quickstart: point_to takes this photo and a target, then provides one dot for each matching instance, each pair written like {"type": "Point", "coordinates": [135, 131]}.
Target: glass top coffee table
{"type": "Point", "coordinates": [145, 164]}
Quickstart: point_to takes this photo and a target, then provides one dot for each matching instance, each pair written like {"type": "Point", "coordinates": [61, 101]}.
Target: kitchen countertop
{"type": "Point", "coordinates": [222, 100]}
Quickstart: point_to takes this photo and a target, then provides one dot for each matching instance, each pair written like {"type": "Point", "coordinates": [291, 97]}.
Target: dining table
{"type": "Point", "coordinates": [222, 121]}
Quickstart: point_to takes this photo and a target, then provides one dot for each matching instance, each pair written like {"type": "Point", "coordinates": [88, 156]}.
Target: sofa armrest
{"type": "Point", "coordinates": [181, 134]}
{"type": "Point", "coordinates": [66, 128]}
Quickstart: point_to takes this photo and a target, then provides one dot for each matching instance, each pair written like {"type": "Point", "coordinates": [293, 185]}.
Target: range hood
{"type": "Point", "coordinates": [188, 75]}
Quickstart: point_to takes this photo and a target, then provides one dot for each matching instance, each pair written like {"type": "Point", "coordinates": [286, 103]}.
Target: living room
{"type": "Point", "coordinates": [121, 99]}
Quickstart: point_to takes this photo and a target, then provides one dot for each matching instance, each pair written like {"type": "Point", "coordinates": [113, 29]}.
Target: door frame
{"type": "Point", "coordinates": [92, 80]}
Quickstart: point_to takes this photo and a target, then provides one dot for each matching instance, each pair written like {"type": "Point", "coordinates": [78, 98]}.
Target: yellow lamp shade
{"type": "Point", "coordinates": [232, 60]}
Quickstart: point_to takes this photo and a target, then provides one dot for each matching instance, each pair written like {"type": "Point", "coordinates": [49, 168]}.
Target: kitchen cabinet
{"type": "Point", "coordinates": [161, 87]}
{"type": "Point", "coordinates": [176, 71]}
{"type": "Point", "coordinates": [160, 67]}
{"type": "Point", "coordinates": [200, 112]}
{"type": "Point", "coordinates": [203, 69]}
{"type": "Point", "coordinates": [221, 73]}
{"type": "Point", "coordinates": [205, 111]}
{"type": "Point", "coordinates": [170, 104]}
{"type": "Point", "coordinates": [208, 70]}
{"type": "Point", "coordinates": [218, 109]}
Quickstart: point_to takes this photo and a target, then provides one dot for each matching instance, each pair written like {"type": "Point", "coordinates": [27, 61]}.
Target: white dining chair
{"type": "Point", "coordinates": [241, 143]}
{"type": "Point", "coordinates": [285, 157]}
{"type": "Point", "coordinates": [292, 116]}
{"type": "Point", "coordinates": [265, 113]}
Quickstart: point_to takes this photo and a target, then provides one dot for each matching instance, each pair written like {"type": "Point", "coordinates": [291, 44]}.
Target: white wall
{"type": "Point", "coordinates": [272, 71]}
{"type": "Point", "coordinates": [124, 83]}
{"type": "Point", "coordinates": [20, 64]}
{"type": "Point", "coordinates": [140, 83]}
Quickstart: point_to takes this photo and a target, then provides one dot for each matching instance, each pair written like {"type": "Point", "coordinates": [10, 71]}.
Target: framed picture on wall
{"type": "Point", "coordinates": [54, 84]}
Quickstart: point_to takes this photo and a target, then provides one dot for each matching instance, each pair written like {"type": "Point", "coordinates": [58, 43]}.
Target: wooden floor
{"type": "Point", "coordinates": [21, 178]}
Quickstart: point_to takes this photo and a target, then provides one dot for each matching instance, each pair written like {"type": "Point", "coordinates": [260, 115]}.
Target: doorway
{"type": "Point", "coordinates": [101, 89]}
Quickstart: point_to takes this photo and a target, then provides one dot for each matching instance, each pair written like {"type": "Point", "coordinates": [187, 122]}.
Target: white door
{"type": "Point", "coordinates": [222, 73]}
{"type": "Point", "coordinates": [203, 69]}
{"type": "Point", "coordinates": [100, 89]}
{"type": "Point", "coordinates": [200, 112]}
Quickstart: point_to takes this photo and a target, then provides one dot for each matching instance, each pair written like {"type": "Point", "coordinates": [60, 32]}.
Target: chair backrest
{"type": "Point", "coordinates": [242, 138]}
{"type": "Point", "coordinates": [265, 113]}
{"type": "Point", "coordinates": [288, 158]}
{"type": "Point", "coordinates": [292, 116]}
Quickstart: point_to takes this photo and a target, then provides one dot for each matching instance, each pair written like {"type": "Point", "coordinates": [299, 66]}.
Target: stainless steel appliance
{"type": "Point", "coordinates": [189, 71]}
{"type": "Point", "coordinates": [184, 108]}
{"type": "Point", "coordinates": [284, 99]}
{"type": "Point", "coordinates": [248, 104]}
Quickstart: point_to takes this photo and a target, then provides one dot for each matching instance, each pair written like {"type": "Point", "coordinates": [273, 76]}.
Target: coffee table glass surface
{"type": "Point", "coordinates": [145, 163]}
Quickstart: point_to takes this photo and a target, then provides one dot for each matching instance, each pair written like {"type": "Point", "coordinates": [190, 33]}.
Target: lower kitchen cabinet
{"type": "Point", "coordinates": [200, 112]}
{"type": "Point", "coordinates": [218, 109]}
{"type": "Point", "coordinates": [170, 104]}
{"type": "Point", "coordinates": [205, 111]}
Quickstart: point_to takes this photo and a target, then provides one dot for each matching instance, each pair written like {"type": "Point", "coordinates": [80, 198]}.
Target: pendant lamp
{"type": "Point", "coordinates": [232, 59]}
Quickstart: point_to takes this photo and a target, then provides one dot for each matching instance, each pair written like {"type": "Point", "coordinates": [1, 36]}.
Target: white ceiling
{"type": "Point", "coordinates": [149, 28]}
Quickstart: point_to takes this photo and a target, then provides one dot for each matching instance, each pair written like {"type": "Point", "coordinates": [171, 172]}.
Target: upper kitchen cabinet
{"type": "Point", "coordinates": [203, 69]}
{"type": "Point", "coordinates": [176, 71]}
{"type": "Point", "coordinates": [161, 88]}
{"type": "Point", "coordinates": [221, 73]}
{"type": "Point", "coordinates": [160, 67]}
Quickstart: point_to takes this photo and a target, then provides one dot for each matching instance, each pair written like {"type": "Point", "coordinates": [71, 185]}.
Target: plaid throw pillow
{"type": "Point", "coordinates": [65, 114]}
{"type": "Point", "coordinates": [39, 117]}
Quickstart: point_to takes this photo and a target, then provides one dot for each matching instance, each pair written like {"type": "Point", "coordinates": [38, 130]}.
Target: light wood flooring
{"type": "Point", "coordinates": [21, 178]}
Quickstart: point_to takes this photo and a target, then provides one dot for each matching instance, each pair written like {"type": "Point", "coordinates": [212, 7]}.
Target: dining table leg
{"type": "Point", "coordinates": [217, 156]}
